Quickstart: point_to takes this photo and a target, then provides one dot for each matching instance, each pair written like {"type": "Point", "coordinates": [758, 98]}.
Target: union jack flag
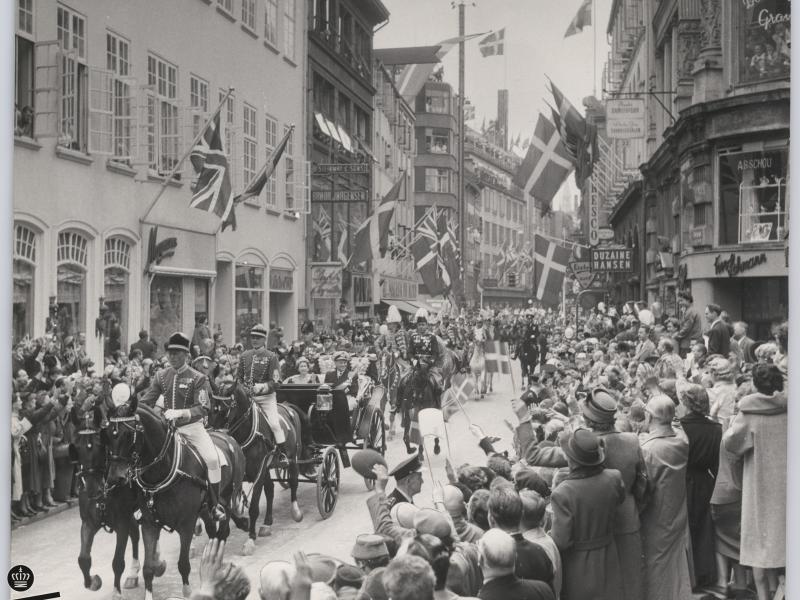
{"type": "Point", "coordinates": [212, 192]}
{"type": "Point", "coordinates": [322, 236]}
{"type": "Point", "coordinates": [427, 250]}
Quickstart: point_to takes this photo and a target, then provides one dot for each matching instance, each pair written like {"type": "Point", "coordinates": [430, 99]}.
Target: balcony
{"type": "Point", "coordinates": [341, 48]}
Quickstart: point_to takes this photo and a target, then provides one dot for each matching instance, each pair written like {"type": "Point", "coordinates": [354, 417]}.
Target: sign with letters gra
{"type": "Point", "coordinates": [326, 281]}
{"type": "Point", "coordinates": [612, 260]}
{"type": "Point", "coordinates": [625, 118]}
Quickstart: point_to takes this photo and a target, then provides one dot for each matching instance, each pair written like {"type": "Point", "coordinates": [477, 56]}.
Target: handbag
{"type": "Point", "coordinates": [60, 450]}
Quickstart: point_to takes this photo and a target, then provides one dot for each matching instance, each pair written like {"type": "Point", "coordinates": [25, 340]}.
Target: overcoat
{"type": "Point", "coordinates": [664, 520]}
{"type": "Point", "coordinates": [584, 506]}
{"type": "Point", "coordinates": [759, 434]}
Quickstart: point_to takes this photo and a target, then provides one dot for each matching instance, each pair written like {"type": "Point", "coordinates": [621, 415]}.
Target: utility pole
{"type": "Point", "coordinates": [462, 198]}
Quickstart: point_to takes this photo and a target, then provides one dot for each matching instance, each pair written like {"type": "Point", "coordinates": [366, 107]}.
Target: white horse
{"type": "Point", "coordinates": [477, 361]}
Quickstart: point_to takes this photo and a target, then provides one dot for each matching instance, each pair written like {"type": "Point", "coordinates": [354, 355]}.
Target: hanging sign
{"type": "Point", "coordinates": [625, 118]}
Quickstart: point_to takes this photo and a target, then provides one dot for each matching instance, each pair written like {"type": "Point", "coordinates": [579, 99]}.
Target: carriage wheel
{"type": "Point", "coordinates": [328, 477]}
{"type": "Point", "coordinates": [376, 440]}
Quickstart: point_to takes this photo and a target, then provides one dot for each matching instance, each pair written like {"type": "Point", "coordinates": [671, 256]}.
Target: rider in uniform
{"type": "Point", "coordinates": [425, 347]}
{"type": "Point", "coordinates": [259, 371]}
{"type": "Point", "coordinates": [206, 364]}
{"type": "Point", "coordinates": [395, 340]}
{"type": "Point", "coordinates": [528, 345]}
{"type": "Point", "coordinates": [185, 401]}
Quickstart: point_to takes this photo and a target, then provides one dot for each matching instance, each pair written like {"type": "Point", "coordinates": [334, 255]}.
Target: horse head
{"type": "Point", "coordinates": [135, 434]}
{"type": "Point", "coordinates": [228, 405]}
{"type": "Point", "coordinates": [88, 452]}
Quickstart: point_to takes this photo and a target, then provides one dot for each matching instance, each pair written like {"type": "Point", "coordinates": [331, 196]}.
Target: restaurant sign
{"type": "Point", "coordinates": [734, 265]}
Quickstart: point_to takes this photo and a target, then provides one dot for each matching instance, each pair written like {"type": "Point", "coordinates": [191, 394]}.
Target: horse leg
{"type": "Point", "coordinates": [90, 582]}
{"type": "Point", "coordinates": [132, 577]}
{"type": "Point", "coordinates": [255, 499]}
{"type": "Point", "coordinates": [269, 495]}
{"type": "Point", "coordinates": [184, 566]}
{"type": "Point", "coordinates": [118, 562]}
{"type": "Point", "coordinates": [294, 475]}
{"type": "Point", "coordinates": [150, 535]}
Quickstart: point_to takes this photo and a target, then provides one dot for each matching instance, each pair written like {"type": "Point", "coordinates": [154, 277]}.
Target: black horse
{"type": "Point", "coordinates": [417, 391]}
{"type": "Point", "coordinates": [171, 481]}
{"type": "Point", "coordinates": [233, 410]}
{"type": "Point", "coordinates": [103, 506]}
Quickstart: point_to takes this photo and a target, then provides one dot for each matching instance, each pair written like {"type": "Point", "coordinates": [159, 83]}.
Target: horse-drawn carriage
{"type": "Point", "coordinates": [332, 430]}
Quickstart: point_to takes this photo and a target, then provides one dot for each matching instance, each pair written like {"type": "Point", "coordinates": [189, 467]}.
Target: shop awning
{"type": "Point", "coordinates": [403, 305]}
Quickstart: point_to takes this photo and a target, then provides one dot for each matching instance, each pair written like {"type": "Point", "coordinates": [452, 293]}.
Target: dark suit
{"type": "Point", "coordinates": [333, 379]}
{"type": "Point", "coordinates": [510, 587]}
{"type": "Point", "coordinates": [691, 329]}
{"type": "Point", "coordinates": [745, 348]}
{"type": "Point", "coordinates": [147, 347]}
{"type": "Point", "coordinates": [719, 339]}
{"type": "Point", "coordinates": [532, 561]}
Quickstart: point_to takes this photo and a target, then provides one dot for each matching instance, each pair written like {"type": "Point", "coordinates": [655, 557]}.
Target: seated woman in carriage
{"type": "Point", "coordinates": [304, 374]}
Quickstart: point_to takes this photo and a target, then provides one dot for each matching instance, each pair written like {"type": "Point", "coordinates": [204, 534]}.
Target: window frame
{"type": "Point", "coordinates": [31, 16]}
{"type": "Point", "coordinates": [158, 81]}
{"type": "Point", "coordinates": [271, 12]}
{"type": "Point", "coordinates": [289, 25]}
{"type": "Point", "coordinates": [271, 139]}
{"type": "Point", "coordinates": [249, 146]}
{"type": "Point", "coordinates": [249, 14]}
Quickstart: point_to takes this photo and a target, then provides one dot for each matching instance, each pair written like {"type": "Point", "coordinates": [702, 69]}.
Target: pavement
{"type": "Point", "coordinates": [50, 546]}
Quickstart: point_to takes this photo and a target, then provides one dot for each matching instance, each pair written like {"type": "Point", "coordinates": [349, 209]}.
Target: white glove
{"type": "Point", "coordinates": [172, 414]}
{"type": "Point", "coordinates": [261, 388]}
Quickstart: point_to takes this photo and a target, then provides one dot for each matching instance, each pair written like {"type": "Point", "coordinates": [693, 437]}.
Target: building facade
{"type": "Point", "coordinates": [118, 92]}
{"type": "Point", "coordinates": [713, 201]}
{"type": "Point", "coordinates": [341, 91]}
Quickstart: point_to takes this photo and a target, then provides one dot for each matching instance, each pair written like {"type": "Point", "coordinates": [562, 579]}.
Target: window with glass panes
{"type": "Point", "coordinates": [228, 114]}
{"type": "Point", "coordinates": [118, 63]}
{"type": "Point", "coordinates": [71, 268]}
{"type": "Point", "coordinates": [23, 69]}
{"type": "Point", "coordinates": [271, 188]}
{"type": "Point", "coordinates": [271, 21]}
{"type": "Point", "coordinates": [226, 5]}
{"type": "Point", "coordinates": [163, 135]}
{"type": "Point", "coordinates": [198, 101]}
{"type": "Point", "coordinates": [24, 271]}
{"type": "Point", "coordinates": [116, 273]}
{"type": "Point", "coordinates": [290, 175]}
{"type": "Point", "coordinates": [437, 180]}
{"type": "Point", "coordinates": [249, 14]}
{"type": "Point", "coordinates": [249, 135]}
{"type": "Point", "coordinates": [249, 294]}
{"type": "Point", "coordinates": [288, 29]}
{"type": "Point", "coordinates": [71, 35]}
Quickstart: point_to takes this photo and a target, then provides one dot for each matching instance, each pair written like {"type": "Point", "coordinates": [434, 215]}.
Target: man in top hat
{"type": "Point", "coordinates": [259, 371]}
{"type": "Point", "coordinates": [185, 398]}
{"type": "Point", "coordinates": [408, 477]}
{"type": "Point", "coordinates": [584, 506]}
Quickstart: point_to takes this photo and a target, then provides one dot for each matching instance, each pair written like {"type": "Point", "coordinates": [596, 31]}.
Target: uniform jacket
{"type": "Point", "coordinates": [424, 344]}
{"type": "Point", "coordinates": [584, 506]}
{"type": "Point", "coordinates": [719, 339]}
{"type": "Point", "coordinates": [186, 389]}
{"type": "Point", "coordinates": [397, 496]}
{"type": "Point", "coordinates": [257, 366]}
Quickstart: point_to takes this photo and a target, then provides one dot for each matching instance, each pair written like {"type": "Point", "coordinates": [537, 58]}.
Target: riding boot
{"type": "Point", "coordinates": [217, 510]}
{"type": "Point", "coordinates": [282, 457]}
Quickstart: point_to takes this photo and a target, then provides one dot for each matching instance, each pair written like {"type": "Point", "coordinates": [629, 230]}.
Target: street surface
{"type": "Point", "coordinates": [50, 547]}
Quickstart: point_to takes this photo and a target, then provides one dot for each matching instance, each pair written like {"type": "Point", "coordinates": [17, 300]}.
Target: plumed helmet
{"type": "Point", "coordinates": [383, 330]}
{"type": "Point", "coordinates": [393, 316]}
{"type": "Point", "coordinates": [421, 316]}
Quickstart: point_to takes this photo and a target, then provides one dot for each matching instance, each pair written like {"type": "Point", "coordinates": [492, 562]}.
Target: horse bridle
{"type": "Point", "coordinates": [134, 424]}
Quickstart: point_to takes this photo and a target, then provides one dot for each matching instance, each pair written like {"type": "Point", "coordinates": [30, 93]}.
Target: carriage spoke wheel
{"type": "Point", "coordinates": [375, 440]}
{"type": "Point", "coordinates": [282, 474]}
{"type": "Point", "coordinates": [328, 476]}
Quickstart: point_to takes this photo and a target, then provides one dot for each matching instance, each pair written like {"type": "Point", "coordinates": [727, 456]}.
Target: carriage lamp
{"type": "Point", "coordinates": [324, 399]}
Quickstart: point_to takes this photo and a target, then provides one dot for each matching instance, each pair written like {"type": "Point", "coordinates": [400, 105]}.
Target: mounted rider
{"type": "Point", "coordinates": [259, 372]}
{"type": "Point", "coordinates": [182, 393]}
{"type": "Point", "coordinates": [424, 347]}
{"type": "Point", "coordinates": [528, 346]}
{"type": "Point", "coordinates": [394, 340]}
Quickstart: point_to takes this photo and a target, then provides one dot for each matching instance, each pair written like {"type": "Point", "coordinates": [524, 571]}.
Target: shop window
{"type": "Point", "coordinates": [763, 34]}
{"type": "Point", "coordinates": [200, 299]}
{"type": "Point", "coordinates": [753, 196]}
{"type": "Point", "coordinates": [116, 291]}
{"type": "Point", "coordinates": [249, 292]}
{"type": "Point", "coordinates": [71, 260]}
{"type": "Point", "coordinates": [24, 273]}
{"type": "Point", "coordinates": [166, 308]}
{"type": "Point", "coordinates": [271, 21]}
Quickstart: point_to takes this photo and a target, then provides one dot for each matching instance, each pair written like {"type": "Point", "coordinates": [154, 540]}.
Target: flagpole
{"type": "Point", "coordinates": [179, 164]}
{"type": "Point", "coordinates": [594, 50]}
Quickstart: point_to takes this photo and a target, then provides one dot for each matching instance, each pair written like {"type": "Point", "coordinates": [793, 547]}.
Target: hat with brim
{"type": "Point", "coordinates": [178, 341]}
{"type": "Point", "coordinates": [369, 546]}
{"type": "Point", "coordinates": [599, 406]}
{"type": "Point", "coordinates": [405, 468]}
{"type": "Point", "coordinates": [584, 448]}
{"type": "Point", "coordinates": [258, 330]}
{"type": "Point", "coordinates": [341, 355]}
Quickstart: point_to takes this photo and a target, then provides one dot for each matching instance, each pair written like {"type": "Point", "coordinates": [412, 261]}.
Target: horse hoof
{"type": "Point", "coordinates": [264, 531]}
{"type": "Point", "coordinates": [187, 591]}
{"type": "Point", "coordinates": [249, 547]}
{"type": "Point", "coordinates": [198, 528]}
{"type": "Point", "coordinates": [160, 569]}
{"type": "Point", "coordinates": [297, 514]}
{"type": "Point", "coordinates": [130, 583]}
{"type": "Point", "coordinates": [96, 583]}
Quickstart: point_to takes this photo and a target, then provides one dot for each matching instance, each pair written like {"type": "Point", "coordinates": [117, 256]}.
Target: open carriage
{"type": "Point", "coordinates": [334, 431]}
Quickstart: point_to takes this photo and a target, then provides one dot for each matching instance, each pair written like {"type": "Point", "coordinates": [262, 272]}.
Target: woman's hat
{"type": "Point", "coordinates": [178, 341]}
{"type": "Point", "coordinates": [584, 448]}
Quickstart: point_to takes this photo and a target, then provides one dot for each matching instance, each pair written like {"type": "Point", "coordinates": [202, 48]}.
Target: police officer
{"type": "Point", "coordinates": [408, 477]}
{"type": "Point", "coordinates": [185, 401]}
{"type": "Point", "coordinates": [259, 371]}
